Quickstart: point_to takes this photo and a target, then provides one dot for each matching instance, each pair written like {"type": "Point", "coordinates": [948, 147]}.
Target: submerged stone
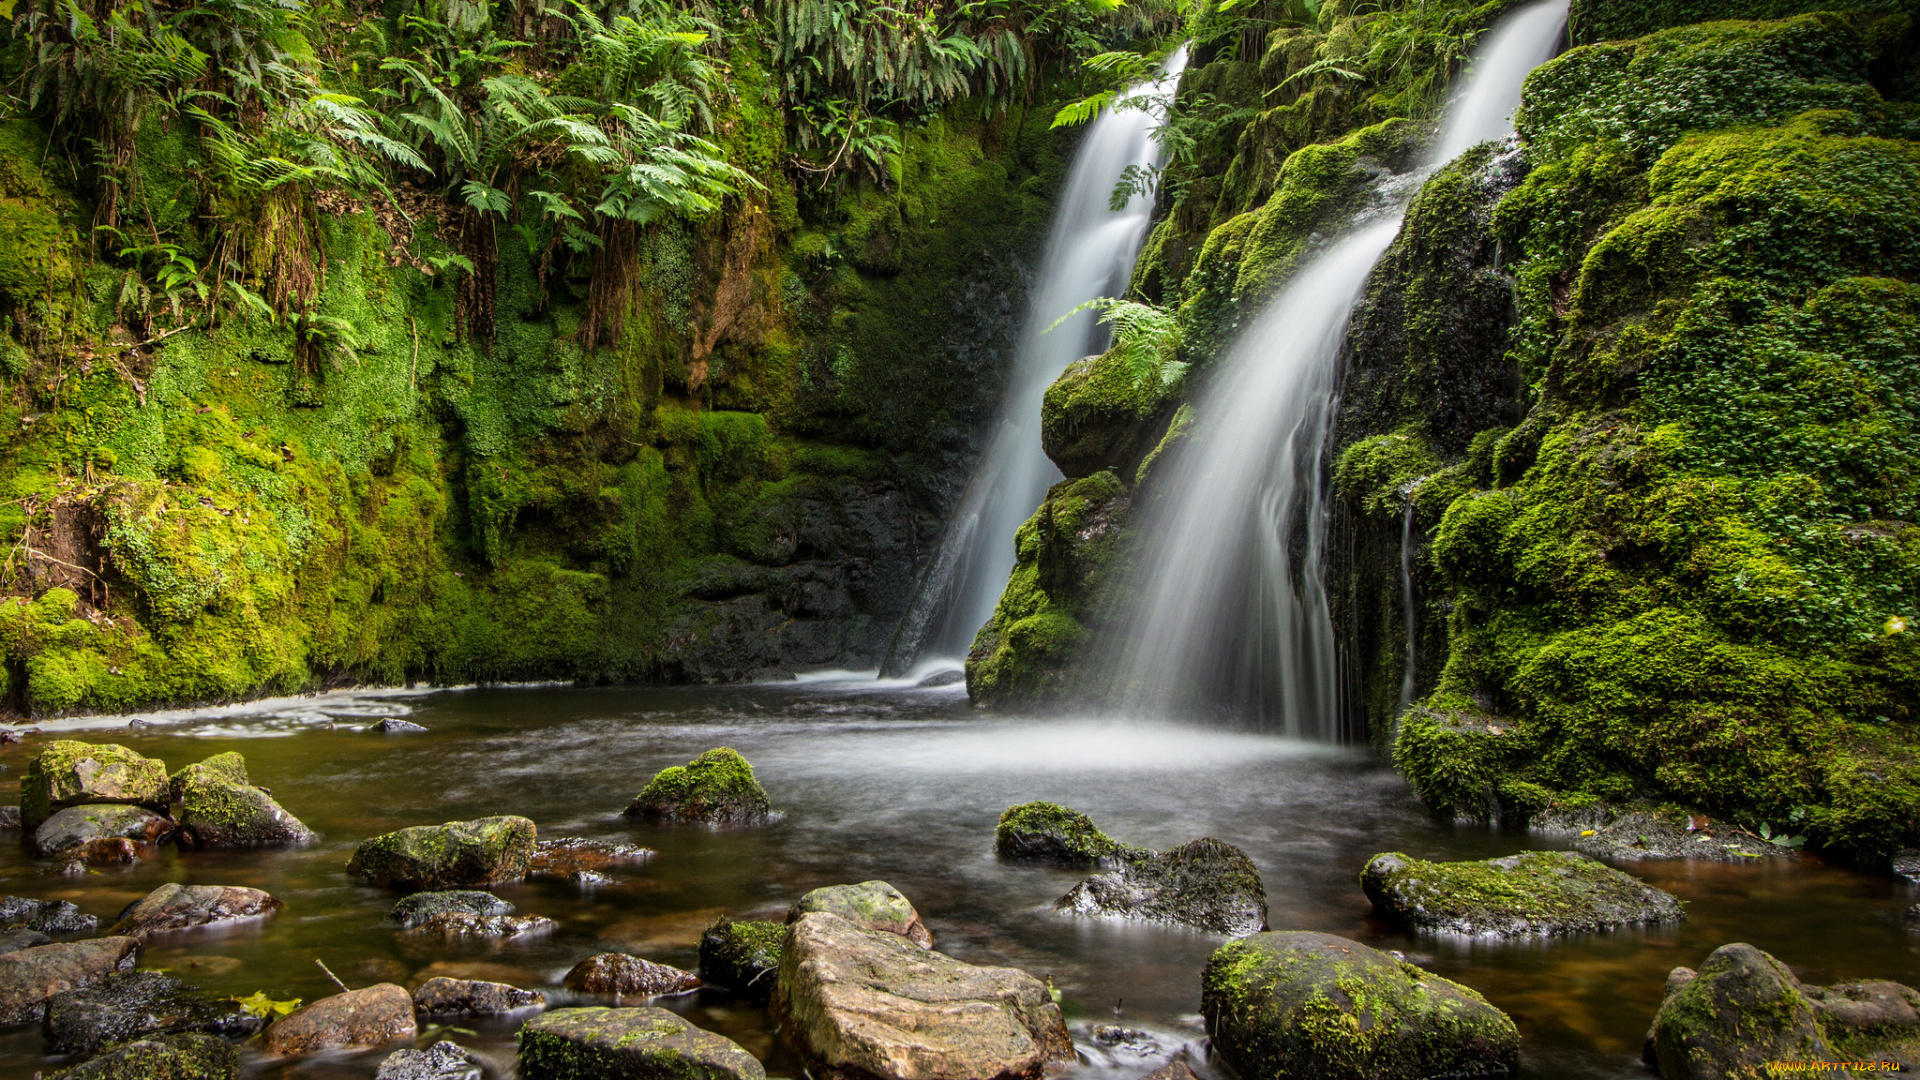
{"type": "Point", "coordinates": [716, 788]}
{"type": "Point", "coordinates": [870, 905]}
{"type": "Point", "coordinates": [442, 996]}
{"type": "Point", "coordinates": [422, 906]}
{"type": "Point", "coordinates": [635, 1043]}
{"type": "Point", "coordinates": [742, 956]}
{"type": "Point", "coordinates": [76, 826]}
{"type": "Point", "coordinates": [1535, 892]}
{"type": "Point", "coordinates": [487, 851]}
{"type": "Point", "coordinates": [441, 1061]}
{"type": "Point", "coordinates": [454, 925]}
{"type": "Point", "coordinates": [29, 978]}
{"type": "Point", "coordinates": [575, 857]}
{"type": "Point", "coordinates": [72, 773]}
{"type": "Point", "coordinates": [1605, 833]}
{"type": "Point", "coordinates": [184, 907]}
{"type": "Point", "coordinates": [629, 976]}
{"type": "Point", "coordinates": [58, 917]}
{"type": "Point", "coordinates": [1051, 833]}
{"type": "Point", "coordinates": [1308, 1006]}
{"type": "Point", "coordinates": [168, 1057]}
{"type": "Point", "coordinates": [1204, 883]}
{"type": "Point", "coordinates": [393, 725]}
{"type": "Point", "coordinates": [370, 1017]}
{"type": "Point", "coordinates": [220, 807]}
{"type": "Point", "coordinates": [135, 1004]}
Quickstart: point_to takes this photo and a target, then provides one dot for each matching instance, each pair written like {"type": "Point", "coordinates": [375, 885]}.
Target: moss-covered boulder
{"type": "Point", "coordinates": [1102, 414]}
{"type": "Point", "coordinates": [636, 1043]}
{"type": "Point", "coordinates": [72, 773]}
{"type": "Point", "coordinates": [1535, 892]}
{"type": "Point", "coordinates": [870, 905]}
{"type": "Point", "coordinates": [1051, 833]}
{"type": "Point", "coordinates": [221, 808]}
{"type": "Point", "coordinates": [716, 788]}
{"type": "Point", "coordinates": [75, 826]}
{"type": "Point", "coordinates": [1203, 883]}
{"type": "Point", "coordinates": [169, 1057]}
{"type": "Point", "coordinates": [1308, 1006]}
{"type": "Point", "coordinates": [486, 851]}
{"type": "Point", "coordinates": [742, 956]}
{"type": "Point", "coordinates": [1744, 1009]}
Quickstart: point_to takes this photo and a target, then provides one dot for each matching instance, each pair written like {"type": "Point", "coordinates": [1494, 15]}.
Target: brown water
{"type": "Point", "coordinates": [901, 784]}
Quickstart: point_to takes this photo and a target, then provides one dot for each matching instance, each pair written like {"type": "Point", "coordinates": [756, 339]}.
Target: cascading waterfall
{"type": "Point", "coordinates": [1089, 255]}
{"type": "Point", "coordinates": [1233, 614]}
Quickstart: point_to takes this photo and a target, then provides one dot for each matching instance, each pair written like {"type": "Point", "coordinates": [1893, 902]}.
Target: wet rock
{"type": "Point", "coordinates": [10, 819]}
{"type": "Point", "coordinates": [1906, 864]}
{"type": "Point", "coordinates": [453, 925]}
{"type": "Point", "coordinates": [1606, 832]}
{"type": "Point", "coordinates": [1172, 1070]}
{"type": "Point", "coordinates": [870, 905]}
{"type": "Point", "coordinates": [576, 857]}
{"type": "Point", "coordinates": [32, 977]}
{"type": "Point", "coordinates": [636, 1043]}
{"type": "Point", "coordinates": [14, 941]}
{"type": "Point", "coordinates": [629, 976]}
{"type": "Point", "coordinates": [71, 773]}
{"type": "Point", "coordinates": [57, 917]}
{"type": "Point", "coordinates": [1204, 883]}
{"type": "Point", "coordinates": [393, 725]}
{"type": "Point", "coordinates": [948, 677]}
{"type": "Point", "coordinates": [420, 907]}
{"type": "Point", "coordinates": [170, 1057]}
{"type": "Point", "coordinates": [742, 956]}
{"type": "Point", "coordinates": [442, 996]}
{"type": "Point", "coordinates": [1099, 415]}
{"type": "Point", "coordinates": [1743, 1009]}
{"type": "Point", "coordinates": [99, 851]}
{"type": "Point", "coordinates": [716, 788]}
{"type": "Point", "coordinates": [870, 1003]}
{"type": "Point", "coordinates": [183, 907]}
{"type": "Point", "coordinates": [374, 1016]}
{"type": "Point", "coordinates": [74, 826]}
{"type": "Point", "coordinates": [1317, 1006]}
{"type": "Point", "coordinates": [136, 1004]}
{"type": "Point", "coordinates": [441, 1061]}
{"type": "Point", "coordinates": [1535, 892]}
{"type": "Point", "coordinates": [220, 807]}
{"type": "Point", "coordinates": [458, 854]}
{"type": "Point", "coordinates": [1140, 1043]}
{"type": "Point", "coordinates": [1050, 833]}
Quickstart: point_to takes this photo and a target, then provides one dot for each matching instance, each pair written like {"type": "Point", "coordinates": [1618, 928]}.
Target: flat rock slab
{"type": "Point", "coordinates": [441, 1061]}
{"type": "Point", "coordinates": [1532, 893]}
{"type": "Point", "coordinates": [57, 917]}
{"type": "Point", "coordinates": [454, 925]}
{"type": "Point", "coordinates": [29, 978]}
{"type": "Point", "coordinates": [458, 854]}
{"type": "Point", "coordinates": [629, 976]}
{"type": "Point", "coordinates": [1605, 833]}
{"type": "Point", "coordinates": [635, 1043]}
{"type": "Point", "coordinates": [374, 1016]}
{"type": "Point", "coordinates": [185, 907]}
{"type": "Point", "coordinates": [1206, 884]}
{"type": "Point", "coordinates": [135, 1004]}
{"type": "Point", "coordinates": [873, 1004]}
{"type": "Point", "coordinates": [1319, 1007]}
{"type": "Point", "coordinates": [870, 905]}
{"type": "Point", "coordinates": [76, 825]}
{"type": "Point", "coordinates": [442, 996]}
{"type": "Point", "coordinates": [169, 1057]}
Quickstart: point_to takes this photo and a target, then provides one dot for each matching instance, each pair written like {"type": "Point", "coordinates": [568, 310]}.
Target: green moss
{"type": "Point", "coordinates": [67, 772]}
{"type": "Point", "coordinates": [742, 956]}
{"type": "Point", "coordinates": [1053, 833]}
{"type": "Point", "coordinates": [718, 787]}
{"type": "Point", "coordinates": [483, 852]}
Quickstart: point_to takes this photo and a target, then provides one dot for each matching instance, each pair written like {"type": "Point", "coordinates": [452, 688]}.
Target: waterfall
{"type": "Point", "coordinates": [1089, 254]}
{"type": "Point", "coordinates": [1233, 614]}
{"type": "Point", "coordinates": [1410, 674]}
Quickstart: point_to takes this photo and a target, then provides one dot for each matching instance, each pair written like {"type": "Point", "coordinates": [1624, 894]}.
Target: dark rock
{"type": "Point", "coordinates": [393, 725]}
{"type": "Point", "coordinates": [870, 905]}
{"type": "Point", "coordinates": [1316, 1006]}
{"type": "Point", "coordinates": [29, 978]}
{"type": "Point", "coordinates": [99, 851]}
{"type": "Point", "coordinates": [74, 826]}
{"type": "Point", "coordinates": [1534, 892]}
{"type": "Point", "coordinates": [1140, 1043]}
{"type": "Point", "coordinates": [135, 1004]}
{"type": "Point", "coordinates": [1050, 833]}
{"type": "Point", "coordinates": [1172, 1070]}
{"type": "Point", "coordinates": [570, 857]}
{"type": "Point", "coordinates": [948, 677]}
{"type": "Point", "coordinates": [170, 1057]}
{"type": "Point", "coordinates": [374, 1016]}
{"type": "Point", "coordinates": [183, 907]}
{"type": "Point", "coordinates": [742, 956]}
{"type": "Point", "coordinates": [629, 976]}
{"type": "Point", "coordinates": [420, 907]}
{"type": "Point", "coordinates": [716, 788]}
{"type": "Point", "coordinates": [46, 916]}
{"type": "Point", "coordinates": [1609, 833]}
{"type": "Point", "coordinates": [458, 854]}
{"type": "Point", "coordinates": [70, 773]}
{"type": "Point", "coordinates": [1906, 864]}
{"type": "Point", "coordinates": [441, 996]}
{"type": "Point", "coordinates": [635, 1043]}
{"type": "Point", "coordinates": [221, 808]}
{"type": "Point", "coordinates": [15, 940]}
{"type": "Point", "coordinates": [441, 1061]}
{"type": "Point", "coordinates": [866, 1003]}
{"type": "Point", "coordinates": [453, 925]}
{"type": "Point", "coordinates": [1204, 883]}
{"type": "Point", "coordinates": [10, 818]}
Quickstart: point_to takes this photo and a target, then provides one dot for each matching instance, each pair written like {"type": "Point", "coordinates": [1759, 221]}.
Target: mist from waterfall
{"type": "Point", "coordinates": [1233, 615]}
{"type": "Point", "coordinates": [1089, 255]}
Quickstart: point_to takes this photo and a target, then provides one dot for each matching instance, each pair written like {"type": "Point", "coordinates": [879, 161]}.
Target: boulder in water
{"type": "Point", "coordinates": [15, 940]}
{"type": "Point", "coordinates": [375, 1016]}
{"type": "Point", "coordinates": [454, 925]}
{"type": "Point", "coordinates": [867, 1003]}
{"type": "Point", "coordinates": [1204, 883]}
{"type": "Point", "coordinates": [441, 1061]}
{"type": "Point", "coordinates": [29, 978]}
{"type": "Point", "coordinates": [870, 905]}
{"type": "Point", "coordinates": [422, 906]}
{"type": "Point", "coordinates": [135, 1004]}
{"type": "Point", "coordinates": [742, 956]}
{"type": "Point", "coordinates": [442, 996]}
{"type": "Point", "coordinates": [487, 851]}
{"type": "Point", "coordinates": [629, 976]}
{"type": "Point", "coordinates": [1319, 1007]}
{"type": "Point", "coordinates": [635, 1043]}
{"type": "Point", "coordinates": [1050, 833]}
{"type": "Point", "coordinates": [393, 725]}
{"type": "Point", "coordinates": [184, 907]}
{"type": "Point", "coordinates": [221, 808]}
{"type": "Point", "coordinates": [1172, 1070]}
{"type": "Point", "coordinates": [1606, 832]}
{"type": "Point", "coordinates": [716, 788]}
{"type": "Point", "coordinates": [57, 917]}
{"type": "Point", "coordinates": [75, 826]}
{"type": "Point", "coordinates": [166, 1057]}
{"type": "Point", "coordinates": [1535, 892]}
{"type": "Point", "coordinates": [577, 858]}
{"type": "Point", "coordinates": [72, 773]}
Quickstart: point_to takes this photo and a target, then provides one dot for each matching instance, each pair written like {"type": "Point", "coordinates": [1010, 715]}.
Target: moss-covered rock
{"type": "Point", "coordinates": [71, 773]}
{"type": "Point", "coordinates": [716, 788]}
{"type": "Point", "coordinates": [1101, 414]}
{"type": "Point", "coordinates": [634, 1043]}
{"type": "Point", "coordinates": [221, 808]}
{"type": "Point", "coordinates": [1307, 1006]}
{"type": "Point", "coordinates": [869, 905]}
{"type": "Point", "coordinates": [421, 906]}
{"type": "Point", "coordinates": [1203, 883]}
{"type": "Point", "coordinates": [742, 956]}
{"type": "Point", "coordinates": [1051, 833]}
{"type": "Point", "coordinates": [486, 851]}
{"type": "Point", "coordinates": [1535, 892]}
{"type": "Point", "coordinates": [170, 1057]}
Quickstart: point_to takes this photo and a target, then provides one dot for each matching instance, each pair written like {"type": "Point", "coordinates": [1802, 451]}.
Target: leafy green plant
{"type": "Point", "coordinates": [1146, 337]}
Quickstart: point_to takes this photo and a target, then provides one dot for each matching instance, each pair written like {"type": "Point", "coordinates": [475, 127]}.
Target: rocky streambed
{"type": "Point", "coordinates": [578, 910]}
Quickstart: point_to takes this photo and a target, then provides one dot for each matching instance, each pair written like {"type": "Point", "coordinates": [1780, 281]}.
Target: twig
{"type": "Point", "coordinates": [336, 979]}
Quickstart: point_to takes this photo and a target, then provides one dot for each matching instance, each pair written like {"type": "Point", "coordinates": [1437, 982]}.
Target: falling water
{"type": "Point", "coordinates": [1234, 613]}
{"type": "Point", "coordinates": [1089, 255]}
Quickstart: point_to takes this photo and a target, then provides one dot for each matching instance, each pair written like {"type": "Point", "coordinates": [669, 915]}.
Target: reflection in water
{"type": "Point", "coordinates": [903, 784]}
